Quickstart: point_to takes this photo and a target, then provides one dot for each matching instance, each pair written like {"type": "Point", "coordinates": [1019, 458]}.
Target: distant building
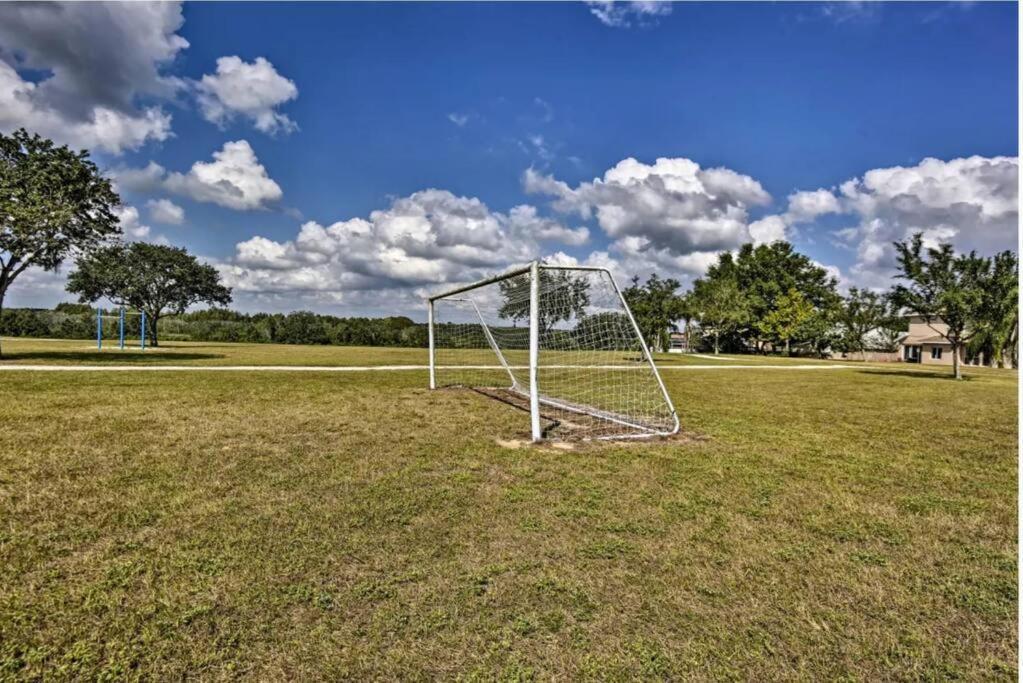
{"type": "Point", "coordinates": [679, 343]}
{"type": "Point", "coordinates": [925, 343]}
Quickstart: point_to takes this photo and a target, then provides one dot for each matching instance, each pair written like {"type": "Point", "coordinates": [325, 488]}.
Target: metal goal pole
{"type": "Point", "coordinates": [99, 328]}
{"type": "Point", "coordinates": [534, 349]}
{"type": "Point", "coordinates": [121, 328]}
{"type": "Point", "coordinates": [429, 324]}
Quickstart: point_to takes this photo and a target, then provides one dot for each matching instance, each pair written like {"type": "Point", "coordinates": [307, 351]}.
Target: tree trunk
{"type": "Point", "coordinates": [154, 341]}
{"type": "Point", "coordinates": [788, 351]}
{"type": "Point", "coordinates": [717, 344]}
{"type": "Point", "coordinates": [2, 292]}
{"type": "Point", "coordinates": [955, 362]}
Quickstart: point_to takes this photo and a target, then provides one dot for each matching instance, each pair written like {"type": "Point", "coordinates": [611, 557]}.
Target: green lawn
{"type": "Point", "coordinates": [856, 523]}
{"type": "Point", "coordinates": [71, 351]}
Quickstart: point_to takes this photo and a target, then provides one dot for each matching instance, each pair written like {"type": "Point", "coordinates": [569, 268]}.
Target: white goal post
{"type": "Point", "coordinates": [557, 341]}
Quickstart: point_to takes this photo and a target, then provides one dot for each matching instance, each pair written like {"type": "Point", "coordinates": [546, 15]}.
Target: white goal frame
{"type": "Point", "coordinates": [533, 390]}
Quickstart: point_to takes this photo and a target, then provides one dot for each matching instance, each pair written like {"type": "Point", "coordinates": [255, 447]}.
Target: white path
{"type": "Point", "coordinates": [374, 368]}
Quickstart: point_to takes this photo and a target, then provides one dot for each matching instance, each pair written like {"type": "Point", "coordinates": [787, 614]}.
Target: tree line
{"type": "Point", "coordinates": [771, 299]}
{"type": "Point", "coordinates": [78, 321]}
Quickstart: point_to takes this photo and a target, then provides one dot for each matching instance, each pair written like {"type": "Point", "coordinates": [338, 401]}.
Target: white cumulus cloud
{"type": "Point", "coordinates": [768, 229]}
{"type": "Point", "coordinates": [971, 202]}
{"type": "Point", "coordinates": [252, 90]}
{"type": "Point", "coordinates": [672, 204]}
{"type": "Point", "coordinates": [131, 224]}
{"type": "Point", "coordinates": [806, 206]}
{"type": "Point", "coordinates": [525, 220]}
{"type": "Point", "coordinates": [165, 211]}
{"type": "Point", "coordinates": [234, 179]}
{"type": "Point", "coordinates": [104, 64]}
{"type": "Point", "coordinates": [426, 239]}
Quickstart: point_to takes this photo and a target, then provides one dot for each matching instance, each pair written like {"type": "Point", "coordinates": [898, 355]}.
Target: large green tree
{"type": "Point", "coordinates": [656, 306]}
{"type": "Point", "coordinates": [765, 275]}
{"type": "Point", "coordinates": [791, 314]}
{"type": "Point", "coordinates": [153, 278]}
{"type": "Point", "coordinates": [942, 286]}
{"type": "Point", "coordinates": [53, 203]}
{"type": "Point", "coordinates": [720, 306]}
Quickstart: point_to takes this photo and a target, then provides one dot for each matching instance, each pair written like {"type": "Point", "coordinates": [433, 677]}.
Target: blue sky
{"type": "Point", "coordinates": [350, 109]}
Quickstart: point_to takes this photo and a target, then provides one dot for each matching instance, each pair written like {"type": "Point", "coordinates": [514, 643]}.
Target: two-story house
{"type": "Point", "coordinates": [924, 342]}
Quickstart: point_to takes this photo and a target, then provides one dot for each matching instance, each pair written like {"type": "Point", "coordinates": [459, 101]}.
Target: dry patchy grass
{"type": "Point", "coordinates": [853, 523]}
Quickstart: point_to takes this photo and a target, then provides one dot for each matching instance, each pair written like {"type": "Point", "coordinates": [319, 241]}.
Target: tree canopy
{"type": "Point", "coordinates": [153, 278]}
{"type": "Point", "coordinates": [868, 320]}
{"type": "Point", "coordinates": [997, 334]}
{"type": "Point", "coordinates": [791, 313]}
{"type": "Point", "coordinates": [563, 296]}
{"type": "Point", "coordinates": [656, 307]}
{"type": "Point", "coordinates": [53, 203]}
{"type": "Point", "coordinates": [767, 294]}
{"type": "Point", "coordinates": [720, 306]}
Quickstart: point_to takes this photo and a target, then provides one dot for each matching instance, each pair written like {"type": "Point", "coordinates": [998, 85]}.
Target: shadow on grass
{"type": "Point", "coordinates": [915, 374]}
{"type": "Point", "coordinates": [111, 357]}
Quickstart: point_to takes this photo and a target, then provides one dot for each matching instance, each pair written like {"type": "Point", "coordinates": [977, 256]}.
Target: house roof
{"type": "Point", "coordinates": [935, 339]}
{"type": "Point", "coordinates": [935, 319]}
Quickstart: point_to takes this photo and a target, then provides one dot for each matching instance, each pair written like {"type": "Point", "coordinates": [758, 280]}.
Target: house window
{"type": "Point", "coordinates": [935, 353]}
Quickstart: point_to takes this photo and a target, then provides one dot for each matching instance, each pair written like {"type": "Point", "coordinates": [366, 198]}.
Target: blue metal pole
{"type": "Point", "coordinates": [143, 330]}
{"type": "Point", "coordinates": [99, 328]}
{"type": "Point", "coordinates": [122, 328]}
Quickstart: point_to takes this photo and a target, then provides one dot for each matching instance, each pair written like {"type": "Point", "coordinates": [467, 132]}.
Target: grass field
{"type": "Point", "coordinates": [857, 523]}
{"type": "Point", "coordinates": [75, 351]}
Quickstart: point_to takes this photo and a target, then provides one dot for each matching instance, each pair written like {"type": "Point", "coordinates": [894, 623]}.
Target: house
{"type": "Point", "coordinates": [925, 343]}
{"type": "Point", "coordinates": [679, 343]}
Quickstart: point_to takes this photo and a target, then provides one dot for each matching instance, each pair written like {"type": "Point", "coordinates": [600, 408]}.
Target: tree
{"type": "Point", "coordinates": [562, 297]}
{"type": "Point", "coordinates": [656, 307]}
{"type": "Point", "coordinates": [767, 272]}
{"type": "Point", "coordinates": [888, 337]}
{"type": "Point", "coordinates": [150, 277]}
{"type": "Point", "coordinates": [942, 286]}
{"type": "Point", "coordinates": [860, 313]}
{"type": "Point", "coordinates": [792, 311]}
{"type": "Point", "coordinates": [53, 203]}
{"type": "Point", "coordinates": [720, 306]}
{"type": "Point", "coordinates": [303, 327]}
{"type": "Point", "coordinates": [687, 313]}
{"type": "Point", "coordinates": [869, 320]}
{"type": "Point", "coordinates": [818, 333]}
{"type": "Point", "coordinates": [598, 326]}
{"type": "Point", "coordinates": [997, 330]}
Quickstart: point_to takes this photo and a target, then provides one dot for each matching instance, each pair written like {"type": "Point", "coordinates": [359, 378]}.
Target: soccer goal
{"type": "Point", "coordinates": [557, 342]}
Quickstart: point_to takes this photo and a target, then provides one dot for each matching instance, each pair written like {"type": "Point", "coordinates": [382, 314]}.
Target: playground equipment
{"type": "Point", "coordinates": [120, 330]}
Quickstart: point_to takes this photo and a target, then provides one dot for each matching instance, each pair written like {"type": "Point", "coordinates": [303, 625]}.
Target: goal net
{"type": "Point", "coordinates": [560, 344]}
